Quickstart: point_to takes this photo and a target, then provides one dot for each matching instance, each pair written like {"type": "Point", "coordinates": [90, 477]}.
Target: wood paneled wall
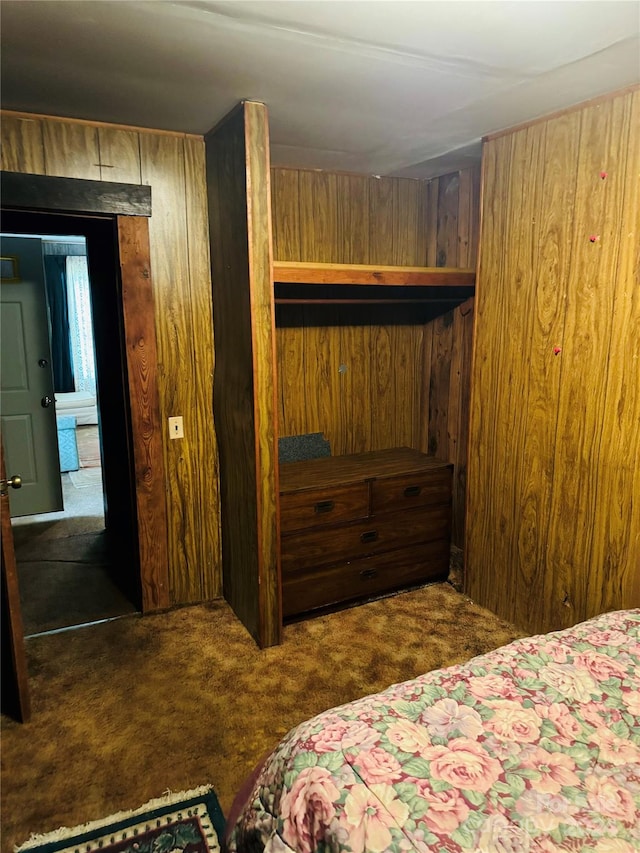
{"type": "Point", "coordinates": [554, 478]}
{"type": "Point", "coordinates": [173, 165]}
{"type": "Point", "coordinates": [372, 386]}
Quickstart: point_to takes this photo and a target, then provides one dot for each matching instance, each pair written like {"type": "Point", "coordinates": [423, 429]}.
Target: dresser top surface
{"type": "Point", "coordinates": [355, 468]}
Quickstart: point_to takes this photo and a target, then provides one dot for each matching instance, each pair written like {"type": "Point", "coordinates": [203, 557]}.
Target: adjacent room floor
{"type": "Point", "coordinates": [62, 557]}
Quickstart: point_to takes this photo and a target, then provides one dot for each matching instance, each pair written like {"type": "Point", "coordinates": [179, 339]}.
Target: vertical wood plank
{"type": "Point", "coordinates": [265, 376]}
{"type": "Point", "coordinates": [138, 314]}
{"type": "Point", "coordinates": [286, 214]}
{"type": "Point", "coordinates": [381, 220]}
{"type": "Point", "coordinates": [490, 323]}
{"type": "Point", "coordinates": [71, 150]}
{"type": "Point", "coordinates": [465, 200]}
{"type": "Point", "coordinates": [406, 206]}
{"type": "Point", "coordinates": [22, 147]}
{"type": "Point", "coordinates": [447, 236]}
{"type": "Point", "coordinates": [474, 228]}
{"type": "Point", "coordinates": [459, 406]}
{"type": "Point", "coordinates": [354, 342]}
{"type": "Point", "coordinates": [439, 386]}
{"type": "Point", "coordinates": [433, 194]}
{"type": "Point", "coordinates": [119, 156]}
{"type": "Point", "coordinates": [422, 236]}
{"type": "Point", "coordinates": [355, 388]}
{"type": "Point", "coordinates": [318, 216]}
{"type": "Point", "coordinates": [425, 387]}
{"type": "Point", "coordinates": [205, 472]}
{"type": "Point", "coordinates": [352, 198]}
{"type": "Point", "coordinates": [322, 380]}
{"type": "Point", "coordinates": [292, 374]}
{"type": "Point", "coordinates": [163, 168]}
{"type": "Point", "coordinates": [245, 402]}
{"type": "Point", "coordinates": [383, 411]}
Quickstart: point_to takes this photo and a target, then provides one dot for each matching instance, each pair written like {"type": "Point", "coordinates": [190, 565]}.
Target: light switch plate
{"type": "Point", "coordinates": [176, 429]}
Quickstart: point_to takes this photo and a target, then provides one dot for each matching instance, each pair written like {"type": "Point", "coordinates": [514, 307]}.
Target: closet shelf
{"type": "Point", "coordinates": [296, 272]}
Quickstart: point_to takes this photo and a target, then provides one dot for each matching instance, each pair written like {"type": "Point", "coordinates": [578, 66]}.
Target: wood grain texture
{"type": "Point", "coordinates": [22, 145]}
{"type": "Point", "coordinates": [353, 218]}
{"type": "Point", "coordinates": [615, 557]}
{"type": "Point", "coordinates": [264, 368]}
{"type": "Point", "coordinates": [381, 221]}
{"type": "Point", "coordinates": [245, 403]}
{"type": "Point", "coordinates": [286, 225]}
{"type": "Point", "coordinates": [171, 164]}
{"type": "Point", "coordinates": [580, 460]}
{"type": "Point", "coordinates": [163, 169]}
{"type": "Point", "coordinates": [551, 534]}
{"type": "Point", "coordinates": [71, 150]}
{"type": "Point", "coordinates": [119, 156]}
{"type": "Point", "coordinates": [206, 476]}
{"type": "Point", "coordinates": [305, 272]}
{"type": "Point", "coordinates": [384, 393]}
{"type": "Point", "coordinates": [142, 365]}
{"type": "Point", "coordinates": [318, 205]}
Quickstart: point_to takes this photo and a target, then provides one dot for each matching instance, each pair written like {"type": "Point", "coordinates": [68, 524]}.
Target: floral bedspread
{"type": "Point", "coordinates": [533, 747]}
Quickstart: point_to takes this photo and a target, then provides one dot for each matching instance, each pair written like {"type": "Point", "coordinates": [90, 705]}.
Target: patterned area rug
{"type": "Point", "coordinates": [189, 822]}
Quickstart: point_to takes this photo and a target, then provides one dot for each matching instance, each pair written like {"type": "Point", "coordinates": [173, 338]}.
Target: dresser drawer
{"type": "Point", "coordinates": [317, 507]}
{"type": "Point", "coordinates": [357, 579]}
{"type": "Point", "coordinates": [309, 548]}
{"type": "Point", "coordinates": [409, 490]}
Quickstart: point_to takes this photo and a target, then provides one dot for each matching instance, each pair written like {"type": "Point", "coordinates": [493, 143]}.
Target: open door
{"type": "Point", "coordinates": [26, 384]}
{"type": "Point", "coordinates": [15, 687]}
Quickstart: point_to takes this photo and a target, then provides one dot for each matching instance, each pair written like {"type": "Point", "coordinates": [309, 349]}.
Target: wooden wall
{"type": "Point", "coordinates": [173, 165]}
{"type": "Point", "coordinates": [554, 478]}
{"type": "Point", "coordinates": [372, 386]}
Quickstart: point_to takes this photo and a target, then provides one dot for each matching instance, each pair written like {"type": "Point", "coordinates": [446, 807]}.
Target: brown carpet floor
{"type": "Point", "coordinates": [125, 710]}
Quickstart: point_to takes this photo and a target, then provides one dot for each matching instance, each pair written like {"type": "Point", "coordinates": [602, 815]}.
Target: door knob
{"type": "Point", "coordinates": [46, 401]}
{"type": "Point", "coordinates": [15, 482]}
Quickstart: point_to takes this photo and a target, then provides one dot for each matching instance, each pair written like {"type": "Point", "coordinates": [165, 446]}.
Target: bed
{"type": "Point", "coordinates": [80, 405]}
{"type": "Point", "coordinates": [533, 747]}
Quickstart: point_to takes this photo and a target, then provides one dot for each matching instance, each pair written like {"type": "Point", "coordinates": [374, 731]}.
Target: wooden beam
{"type": "Point", "coordinates": [142, 369]}
{"type": "Point", "coordinates": [244, 403]}
{"type": "Point", "coordinates": [290, 272]}
{"type": "Point", "coordinates": [21, 191]}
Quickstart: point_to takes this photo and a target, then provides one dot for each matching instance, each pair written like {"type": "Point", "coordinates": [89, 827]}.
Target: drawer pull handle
{"type": "Point", "coordinates": [369, 536]}
{"type": "Point", "coordinates": [368, 574]}
{"type": "Point", "coordinates": [324, 506]}
{"type": "Point", "coordinates": [412, 491]}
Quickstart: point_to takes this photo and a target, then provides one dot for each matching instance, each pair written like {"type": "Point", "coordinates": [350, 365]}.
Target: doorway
{"type": "Point", "coordinates": [81, 565]}
{"type": "Point", "coordinates": [65, 558]}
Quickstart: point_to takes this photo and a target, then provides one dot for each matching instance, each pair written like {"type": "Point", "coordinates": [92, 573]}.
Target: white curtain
{"type": "Point", "coordinates": [81, 329]}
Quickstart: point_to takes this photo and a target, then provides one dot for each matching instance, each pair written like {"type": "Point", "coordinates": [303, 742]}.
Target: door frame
{"type": "Point", "coordinates": [16, 698]}
{"type": "Point", "coordinates": [128, 206]}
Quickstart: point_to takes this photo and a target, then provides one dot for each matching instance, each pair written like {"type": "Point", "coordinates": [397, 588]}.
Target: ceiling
{"type": "Point", "coordinates": [377, 86]}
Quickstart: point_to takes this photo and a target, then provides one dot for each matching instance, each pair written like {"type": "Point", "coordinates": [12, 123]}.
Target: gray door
{"type": "Point", "coordinates": [27, 407]}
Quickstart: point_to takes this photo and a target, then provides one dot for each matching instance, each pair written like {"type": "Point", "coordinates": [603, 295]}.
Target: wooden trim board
{"type": "Point", "coordinates": [298, 272]}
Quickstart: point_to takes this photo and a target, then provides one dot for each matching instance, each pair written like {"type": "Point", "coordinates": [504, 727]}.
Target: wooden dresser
{"type": "Point", "coordinates": [359, 525]}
